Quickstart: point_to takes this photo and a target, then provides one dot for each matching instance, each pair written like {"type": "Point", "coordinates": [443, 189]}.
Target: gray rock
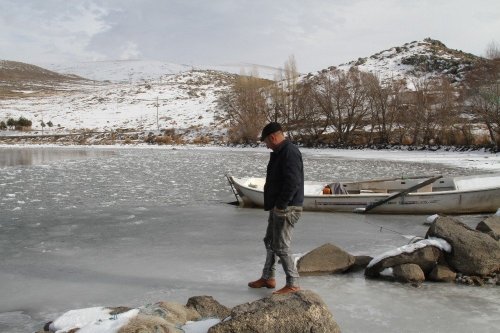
{"type": "Point", "coordinates": [442, 273]}
{"type": "Point", "coordinates": [410, 273]}
{"type": "Point", "coordinates": [473, 252]}
{"type": "Point", "coordinates": [360, 263]}
{"type": "Point", "coordinates": [299, 312]}
{"type": "Point", "coordinates": [207, 306]}
{"type": "Point", "coordinates": [326, 259]}
{"type": "Point", "coordinates": [490, 226]}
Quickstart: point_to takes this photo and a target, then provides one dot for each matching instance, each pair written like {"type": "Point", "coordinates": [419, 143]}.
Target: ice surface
{"type": "Point", "coordinates": [136, 226]}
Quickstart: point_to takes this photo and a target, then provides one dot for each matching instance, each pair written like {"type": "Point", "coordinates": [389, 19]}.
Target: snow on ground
{"type": "Point", "coordinates": [132, 94]}
{"type": "Point", "coordinates": [479, 159]}
{"type": "Point", "coordinates": [136, 70]}
{"type": "Point", "coordinates": [185, 100]}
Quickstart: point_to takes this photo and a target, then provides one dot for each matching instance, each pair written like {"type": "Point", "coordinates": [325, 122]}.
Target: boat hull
{"type": "Point", "coordinates": [476, 200]}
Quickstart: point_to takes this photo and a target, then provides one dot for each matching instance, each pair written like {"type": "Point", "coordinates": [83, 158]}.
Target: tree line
{"type": "Point", "coordinates": [20, 123]}
{"type": "Point", "coordinates": [353, 107]}
{"type": "Point", "coordinates": [13, 123]}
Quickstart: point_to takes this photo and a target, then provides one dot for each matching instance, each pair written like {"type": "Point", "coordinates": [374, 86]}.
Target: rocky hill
{"type": "Point", "coordinates": [429, 58]}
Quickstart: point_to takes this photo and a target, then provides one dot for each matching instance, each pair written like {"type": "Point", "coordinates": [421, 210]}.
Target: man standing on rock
{"type": "Point", "coordinates": [283, 198]}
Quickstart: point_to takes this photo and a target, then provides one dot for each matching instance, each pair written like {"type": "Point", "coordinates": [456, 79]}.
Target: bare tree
{"type": "Point", "coordinates": [383, 99]}
{"type": "Point", "coordinates": [245, 108]}
{"type": "Point", "coordinates": [484, 95]}
{"type": "Point", "coordinates": [283, 97]}
{"type": "Point", "coordinates": [342, 98]}
{"type": "Point", "coordinates": [493, 51]}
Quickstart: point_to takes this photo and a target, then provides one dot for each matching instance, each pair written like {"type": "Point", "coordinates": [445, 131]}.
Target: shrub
{"type": "Point", "coordinates": [201, 140]}
{"type": "Point", "coordinates": [23, 122]}
{"type": "Point", "coordinates": [11, 122]}
{"type": "Point", "coordinates": [163, 140]}
{"type": "Point", "coordinates": [3, 125]}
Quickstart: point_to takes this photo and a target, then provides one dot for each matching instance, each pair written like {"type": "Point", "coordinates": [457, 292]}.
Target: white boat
{"type": "Point", "coordinates": [414, 195]}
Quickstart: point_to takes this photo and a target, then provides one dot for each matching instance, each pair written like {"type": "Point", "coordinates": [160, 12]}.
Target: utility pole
{"type": "Point", "coordinates": [157, 122]}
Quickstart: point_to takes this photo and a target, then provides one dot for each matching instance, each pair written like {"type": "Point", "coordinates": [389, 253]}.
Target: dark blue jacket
{"type": "Point", "coordinates": [285, 178]}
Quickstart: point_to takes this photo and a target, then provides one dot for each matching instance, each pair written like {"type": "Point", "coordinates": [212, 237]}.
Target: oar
{"type": "Point", "coordinates": [372, 205]}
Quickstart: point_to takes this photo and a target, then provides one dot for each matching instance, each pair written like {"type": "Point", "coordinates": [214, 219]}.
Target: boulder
{"type": "Point", "coordinates": [442, 273]}
{"type": "Point", "coordinates": [326, 259]}
{"type": "Point", "coordinates": [299, 312]}
{"type": "Point", "coordinates": [473, 252]}
{"type": "Point", "coordinates": [425, 257]}
{"type": "Point", "coordinates": [173, 312]}
{"type": "Point", "coordinates": [161, 317]}
{"type": "Point", "coordinates": [148, 324]}
{"type": "Point", "coordinates": [360, 263]}
{"type": "Point", "coordinates": [408, 273]}
{"type": "Point", "coordinates": [490, 226]}
{"type": "Point", "coordinates": [207, 306]}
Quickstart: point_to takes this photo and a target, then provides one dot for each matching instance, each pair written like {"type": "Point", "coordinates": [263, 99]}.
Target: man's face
{"type": "Point", "coordinates": [273, 140]}
{"type": "Point", "coordinates": [269, 141]}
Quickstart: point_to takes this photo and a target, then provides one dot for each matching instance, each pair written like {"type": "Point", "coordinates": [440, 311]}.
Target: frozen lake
{"type": "Point", "coordinates": [83, 227]}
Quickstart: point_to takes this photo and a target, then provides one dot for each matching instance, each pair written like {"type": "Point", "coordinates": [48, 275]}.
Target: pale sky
{"type": "Point", "coordinates": [318, 33]}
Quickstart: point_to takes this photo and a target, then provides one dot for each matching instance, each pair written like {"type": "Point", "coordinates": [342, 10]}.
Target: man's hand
{"type": "Point", "coordinates": [280, 212]}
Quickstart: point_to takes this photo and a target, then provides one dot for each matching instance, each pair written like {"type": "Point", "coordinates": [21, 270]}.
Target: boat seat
{"type": "Point", "coordinates": [337, 188]}
{"type": "Point", "coordinates": [373, 191]}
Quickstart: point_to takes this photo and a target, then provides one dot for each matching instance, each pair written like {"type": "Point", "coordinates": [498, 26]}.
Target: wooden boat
{"type": "Point", "coordinates": [413, 195]}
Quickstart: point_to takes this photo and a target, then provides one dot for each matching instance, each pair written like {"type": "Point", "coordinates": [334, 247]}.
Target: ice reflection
{"type": "Point", "coordinates": [33, 156]}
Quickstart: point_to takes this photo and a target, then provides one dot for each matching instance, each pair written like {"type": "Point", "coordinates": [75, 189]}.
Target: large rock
{"type": "Point", "coordinates": [473, 252]}
{"type": "Point", "coordinates": [326, 259]}
{"type": "Point", "coordinates": [490, 226]}
{"type": "Point", "coordinates": [360, 263]}
{"type": "Point", "coordinates": [408, 273]}
{"type": "Point", "coordinates": [442, 273]}
{"type": "Point", "coordinates": [425, 257]}
{"type": "Point", "coordinates": [148, 324]}
{"type": "Point", "coordinates": [207, 306]}
{"type": "Point", "coordinates": [161, 317]}
{"type": "Point", "coordinates": [299, 312]}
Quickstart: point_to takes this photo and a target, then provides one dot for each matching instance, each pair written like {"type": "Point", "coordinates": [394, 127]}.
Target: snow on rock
{"type": "Point", "coordinates": [432, 218]}
{"type": "Point", "coordinates": [200, 326]}
{"type": "Point", "coordinates": [437, 242]}
{"type": "Point", "coordinates": [92, 320]}
{"type": "Point", "coordinates": [416, 60]}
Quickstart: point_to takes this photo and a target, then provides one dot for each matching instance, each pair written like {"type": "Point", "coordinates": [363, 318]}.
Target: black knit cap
{"type": "Point", "coordinates": [269, 129]}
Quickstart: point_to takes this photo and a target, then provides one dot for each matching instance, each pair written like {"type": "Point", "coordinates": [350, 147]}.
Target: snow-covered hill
{"type": "Point", "coordinates": [144, 70]}
{"type": "Point", "coordinates": [429, 58]}
{"type": "Point", "coordinates": [185, 101]}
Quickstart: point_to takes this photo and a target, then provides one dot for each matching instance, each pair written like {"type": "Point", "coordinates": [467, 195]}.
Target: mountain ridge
{"type": "Point", "coordinates": [428, 57]}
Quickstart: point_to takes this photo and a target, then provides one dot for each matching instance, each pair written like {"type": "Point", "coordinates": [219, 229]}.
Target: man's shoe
{"type": "Point", "coordinates": [287, 290]}
{"type": "Point", "coordinates": [261, 283]}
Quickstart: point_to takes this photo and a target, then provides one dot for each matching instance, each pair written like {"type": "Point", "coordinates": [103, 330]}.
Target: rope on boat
{"type": "Point", "coordinates": [412, 240]}
{"type": "Point", "coordinates": [381, 228]}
